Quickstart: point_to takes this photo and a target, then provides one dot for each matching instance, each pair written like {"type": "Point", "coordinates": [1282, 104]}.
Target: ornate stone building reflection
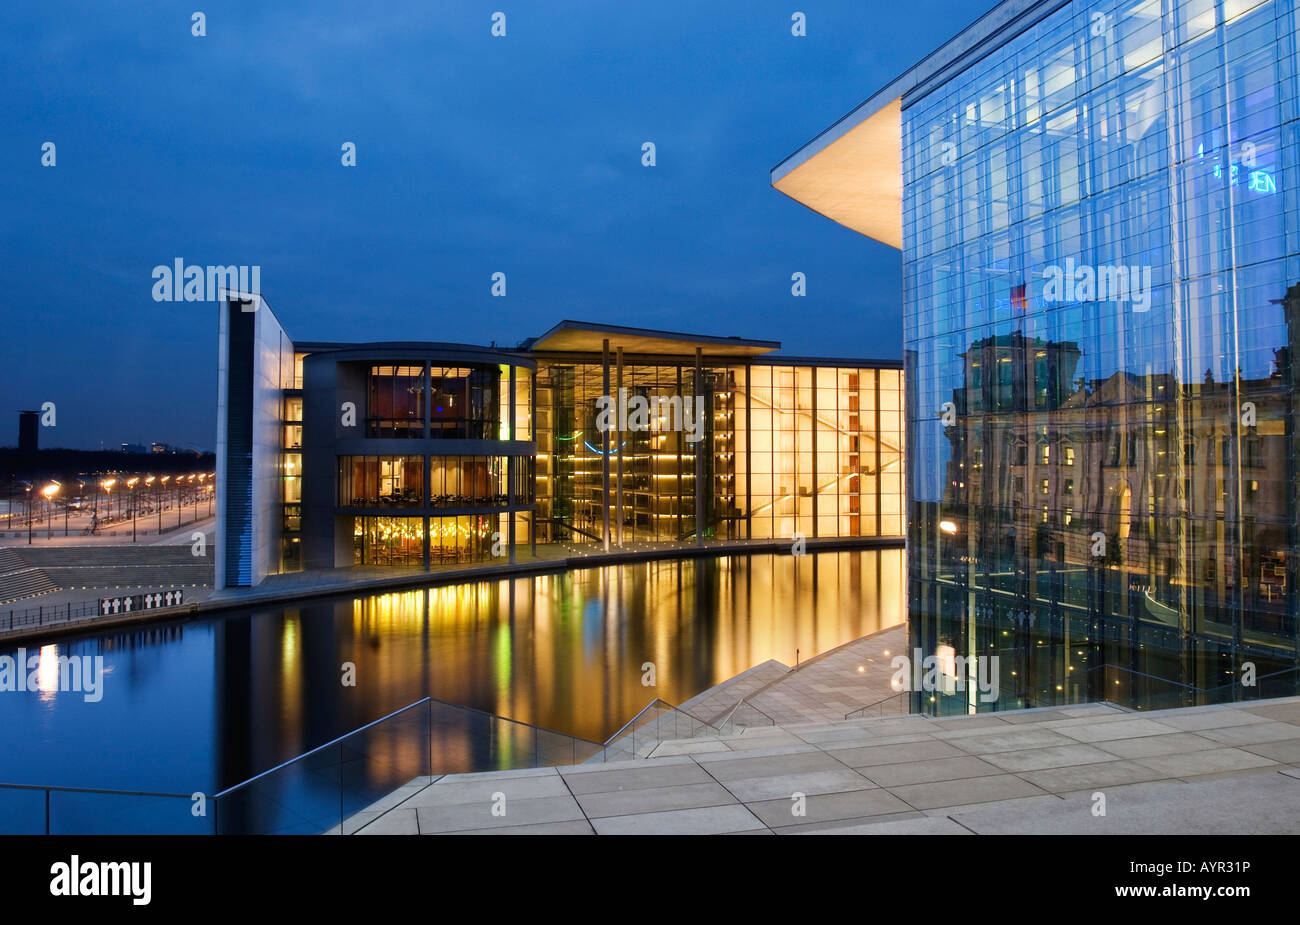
{"type": "Point", "coordinates": [1128, 537]}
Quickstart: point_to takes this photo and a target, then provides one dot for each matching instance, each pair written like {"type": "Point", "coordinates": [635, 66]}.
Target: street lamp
{"type": "Point", "coordinates": [149, 481]}
{"type": "Point", "coordinates": [49, 491]}
{"type": "Point", "coordinates": [131, 485]}
{"type": "Point", "coordinates": [81, 493]}
{"type": "Point", "coordinates": [29, 514]}
{"type": "Point", "coordinates": [107, 486]}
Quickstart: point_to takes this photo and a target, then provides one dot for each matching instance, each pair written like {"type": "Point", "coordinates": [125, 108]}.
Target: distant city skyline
{"type": "Point", "coordinates": [475, 155]}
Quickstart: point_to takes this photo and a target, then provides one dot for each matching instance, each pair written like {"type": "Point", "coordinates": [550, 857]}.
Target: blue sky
{"type": "Point", "coordinates": [475, 154]}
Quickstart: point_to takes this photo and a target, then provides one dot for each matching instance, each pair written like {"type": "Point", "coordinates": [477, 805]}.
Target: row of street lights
{"type": "Point", "coordinates": [180, 482]}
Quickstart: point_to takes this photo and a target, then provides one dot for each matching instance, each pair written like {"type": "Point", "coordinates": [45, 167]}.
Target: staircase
{"type": "Point", "coordinates": [123, 566]}
{"type": "Point", "coordinates": [19, 580]}
{"type": "Point", "coordinates": [38, 571]}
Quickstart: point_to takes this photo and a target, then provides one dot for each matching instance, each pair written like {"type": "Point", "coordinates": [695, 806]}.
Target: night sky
{"type": "Point", "coordinates": [475, 154]}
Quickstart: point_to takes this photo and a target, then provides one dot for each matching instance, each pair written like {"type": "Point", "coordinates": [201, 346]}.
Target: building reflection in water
{"type": "Point", "coordinates": [565, 652]}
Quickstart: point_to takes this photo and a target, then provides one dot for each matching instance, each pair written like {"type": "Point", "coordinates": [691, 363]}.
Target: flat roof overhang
{"type": "Point", "coordinates": [852, 172]}
{"type": "Point", "coordinates": [588, 337]}
{"type": "Point", "coordinates": [856, 179]}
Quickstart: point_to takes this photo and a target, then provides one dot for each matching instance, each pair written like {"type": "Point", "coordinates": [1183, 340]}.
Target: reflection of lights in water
{"type": "Point", "coordinates": [289, 639]}
{"type": "Point", "coordinates": [553, 654]}
{"type": "Point", "coordinates": [47, 670]}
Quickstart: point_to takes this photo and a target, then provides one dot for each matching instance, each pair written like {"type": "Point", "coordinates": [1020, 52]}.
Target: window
{"type": "Point", "coordinates": [381, 481]}
{"type": "Point", "coordinates": [395, 401]}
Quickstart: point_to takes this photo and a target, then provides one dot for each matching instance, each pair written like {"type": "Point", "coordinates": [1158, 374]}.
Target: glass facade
{"type": "Point", "coordinates": [395, 401]}
{"type": "Point", "coordinates": [399, 541]}
{"type": "Point", "coordinates": [657, 463]}
{"type": "Point", "coordinates": [454, 481]}
{"type": "Point", "coordinates": [375, 481]}
{"type": "Point", "coordinates": [1101, 227]}
{"type": "Point", "coordinates": [811, 449]}
{"type": "Point", "coordinates": [825, 451]}
{"type": "Point", "coordinates": [291, 478]}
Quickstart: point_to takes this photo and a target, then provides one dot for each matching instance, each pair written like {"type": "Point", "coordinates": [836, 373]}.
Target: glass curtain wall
{"type": "Point", "coordinates": [1101, 230]}
{"type": "Point", "coordinates": [658, 461]}
{"type": "Point", "coordinates": [759, 467]}
{"type": "Point", "coordinates": [824, 451]}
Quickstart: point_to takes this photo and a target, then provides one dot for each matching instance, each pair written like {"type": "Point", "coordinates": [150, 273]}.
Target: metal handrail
{"type": "Point", "coordinates": [569, 526]}
{"type": "Point", "coordinates": [731, 714]}
{"type": "Point", "coordinates": [123, 793]}
{"type": "Point", "coordinates": [894, 695]}
{"type": "Point", "coordinates": [1272, 674]}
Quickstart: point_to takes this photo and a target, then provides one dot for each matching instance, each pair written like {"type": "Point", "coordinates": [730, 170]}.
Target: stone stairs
{"type": "Point", "coordinates": [39, 571]}
{"type": "Point", "coordinates": [19, 579]}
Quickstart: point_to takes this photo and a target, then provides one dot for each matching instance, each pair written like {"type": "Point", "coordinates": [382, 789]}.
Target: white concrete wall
{"type": "Point", "coordinates": [272, 372]}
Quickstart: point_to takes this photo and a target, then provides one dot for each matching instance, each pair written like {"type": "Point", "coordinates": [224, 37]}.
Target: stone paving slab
{"type": "Point", "coordinates": [778, 786]}
{"type": "Point", "coordinates": [646, 776]}
{"type": "Point", "coordinates": [712, 820]}
{"type": "Point", "coordinates": [959, 792]}
{"type": "Point", "coordinates": [654, 799]}
{"type": "Point", "coordinates": [1175, 743]}
{"type": "Point", "coordinates": [1255, 804]}
{"type": "Point", "coordinates": [478, 814]}
{"type": "Point", "coordinates": [927, 772]}
{"type": "Point", "coordinates": [1053, 756]}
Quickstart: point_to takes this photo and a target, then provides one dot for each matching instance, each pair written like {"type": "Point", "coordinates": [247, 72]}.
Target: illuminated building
{"type": "Point", "coordinates": [419, 455]}
{"type": "Point", "coordinates": [1096, 205]}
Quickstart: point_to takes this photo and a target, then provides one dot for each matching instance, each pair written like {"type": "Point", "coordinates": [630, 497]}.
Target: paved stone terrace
{"type": "Point", "coordinates": [1231, 769]}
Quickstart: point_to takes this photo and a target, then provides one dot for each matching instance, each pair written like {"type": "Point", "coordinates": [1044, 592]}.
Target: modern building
{"type": "Point", "coordinates": [1098, 208]}
{"type": "Point", "coordinates": [417, 455]}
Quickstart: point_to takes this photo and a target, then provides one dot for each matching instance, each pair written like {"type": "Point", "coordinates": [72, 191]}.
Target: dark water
{"type": "Point", "coordinates": [201, 706]}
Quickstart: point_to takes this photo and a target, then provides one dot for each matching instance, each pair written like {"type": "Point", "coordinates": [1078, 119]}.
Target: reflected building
{"type": "Point", "coordinates": [419, 455]}
{"type": "Point", "coordinates": [1098, 213]}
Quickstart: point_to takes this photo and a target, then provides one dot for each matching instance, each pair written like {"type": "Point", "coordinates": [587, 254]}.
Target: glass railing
{"type": "Point", "coordinates": [895, 704]}
{"type": "Point", "coordinates": [1134, 690]}
{"type": "Point", "coordinates": [329, 788]}
{"type": "Point", "coordinates": [658, 722]}
{"type": "Point", "coordinates": [1284, 683]}
{"type": "Point", "coordinates": [326, 788]}
{"type": "Point", "coordinates": [29, 810]}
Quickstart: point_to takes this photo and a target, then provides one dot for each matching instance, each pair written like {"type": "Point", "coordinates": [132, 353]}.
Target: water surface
{"type": "Point", "coordinates": [202, 705]}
